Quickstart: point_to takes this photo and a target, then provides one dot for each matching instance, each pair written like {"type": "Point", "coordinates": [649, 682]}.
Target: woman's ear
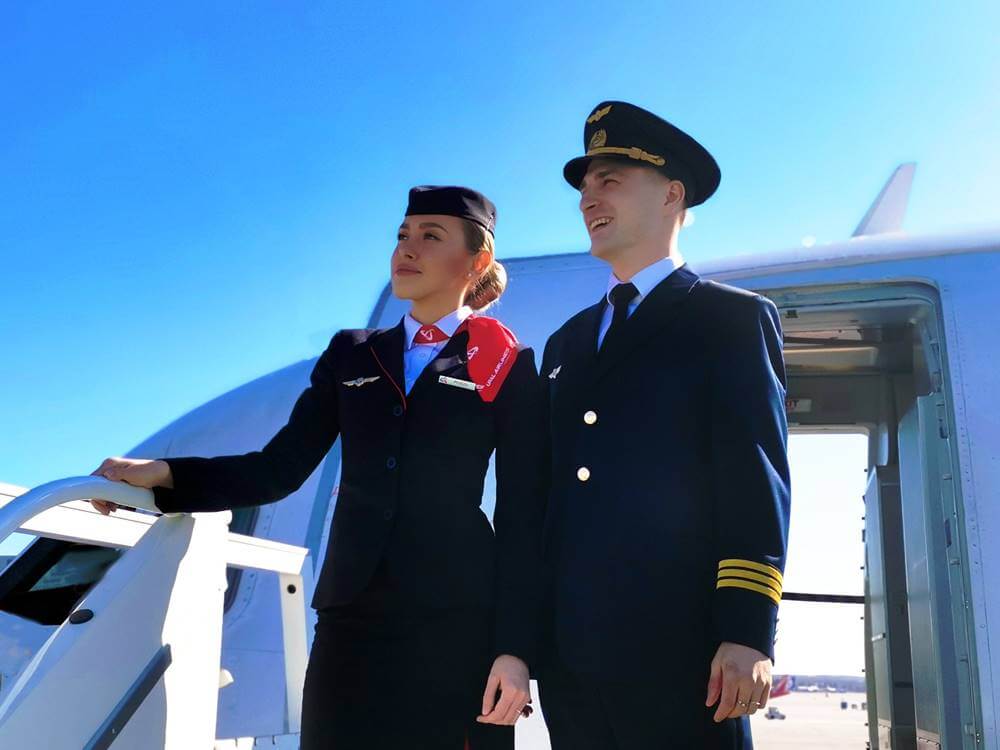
{"type": "Point", "coordinates": [482, 261]}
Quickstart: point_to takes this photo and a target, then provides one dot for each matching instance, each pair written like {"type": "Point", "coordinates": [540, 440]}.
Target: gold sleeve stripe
{"type": "Point", "coordinates": [751, 565]}
{"type": "Point", "coordinates": [750, 576]}
{"type": "Point", "coordinates": [738, 584]}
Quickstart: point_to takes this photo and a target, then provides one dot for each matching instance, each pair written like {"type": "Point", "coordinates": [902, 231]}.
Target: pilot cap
{"type": "Point", "coordinates": [624, 131]}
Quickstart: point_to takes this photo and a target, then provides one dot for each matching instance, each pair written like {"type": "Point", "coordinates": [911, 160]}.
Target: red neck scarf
{"type": "Point", "coordinates": [492, 349]}
{"type": "Point", "coordinates": [429, 335]}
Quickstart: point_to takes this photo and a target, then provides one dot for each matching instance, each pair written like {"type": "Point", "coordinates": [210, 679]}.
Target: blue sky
{"type": "Point", "coordinates": [195, 194]}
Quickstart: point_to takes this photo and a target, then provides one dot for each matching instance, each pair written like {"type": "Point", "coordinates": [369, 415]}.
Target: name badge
{"type": "Point", "coordinates": [467, 384]}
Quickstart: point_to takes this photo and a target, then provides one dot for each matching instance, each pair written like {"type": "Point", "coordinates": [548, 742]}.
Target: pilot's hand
{"type": "Point", "coordinates": [510, 676]}
{"type": "Point", "coordinates": [742, 677]}
{"type": "Point", "coordinates": [139, 472]}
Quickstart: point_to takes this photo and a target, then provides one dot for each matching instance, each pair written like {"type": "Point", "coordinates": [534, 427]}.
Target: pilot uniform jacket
{"type": "Point", "coordinates": [413, 468]}
{"type": "Point", "coordinates": [668, 515]}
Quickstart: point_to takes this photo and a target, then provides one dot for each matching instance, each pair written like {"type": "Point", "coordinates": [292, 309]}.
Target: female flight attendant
{"type": "Point", "coordinates": [427, 616]}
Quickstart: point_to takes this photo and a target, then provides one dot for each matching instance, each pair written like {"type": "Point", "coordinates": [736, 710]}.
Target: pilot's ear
{"type": "Point", "coordinates": [675, 194]}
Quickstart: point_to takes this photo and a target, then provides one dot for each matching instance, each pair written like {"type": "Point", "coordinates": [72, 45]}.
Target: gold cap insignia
{"type": "Point", "coordinates": [598, 139]}
{"type": "Point", "coordinates": [598, 114]}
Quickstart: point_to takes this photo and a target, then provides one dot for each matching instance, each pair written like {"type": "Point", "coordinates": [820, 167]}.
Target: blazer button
{"type": "Point", "coordinates": [397, 411]}
{"type": "Point", "coordinates": [390, 463]}
{"type": "Point", "coordinates": [387, 515]}
{"type": "Point", "coordinates": [590, 417]}
{"type": "Point", "coordinates": [583, 473]}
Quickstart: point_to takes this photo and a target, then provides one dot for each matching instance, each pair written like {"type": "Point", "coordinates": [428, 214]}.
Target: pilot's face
{"type": "Point", "coordinates": [623, 205]}
{"type": "Point", "coordinates": [430, 256]}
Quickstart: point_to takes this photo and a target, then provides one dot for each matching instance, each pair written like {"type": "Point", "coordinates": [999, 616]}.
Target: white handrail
{"type": "Point", "coordinates": [24, 507]}
{"type": "Point", "coordinates": [288, 561]}
{"type": "Point", "coordinates": [74, 520]}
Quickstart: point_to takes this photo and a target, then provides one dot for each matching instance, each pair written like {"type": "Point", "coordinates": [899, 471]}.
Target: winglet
{"type": "Point", "coordinates": [886, 213]}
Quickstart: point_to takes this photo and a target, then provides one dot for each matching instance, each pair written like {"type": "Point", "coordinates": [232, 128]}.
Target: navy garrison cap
{"type": "Point", "coordinates": [452, 200]}
{"type": "Point", "coordinates": [624, 131]}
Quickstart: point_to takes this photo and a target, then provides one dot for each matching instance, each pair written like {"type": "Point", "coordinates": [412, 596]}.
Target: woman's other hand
{"type": "Point", "coordinates": [510, 676]}
{"type": "Point", "coordinates": [139, 472]}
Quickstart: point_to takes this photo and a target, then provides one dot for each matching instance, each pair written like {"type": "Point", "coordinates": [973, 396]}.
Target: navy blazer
{"type": "Point", "coordinates": [668, 515]}
{"type": "Point", "coordinates": [412, 480]}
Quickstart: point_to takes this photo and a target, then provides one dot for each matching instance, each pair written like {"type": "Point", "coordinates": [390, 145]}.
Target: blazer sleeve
{"type": "Point", "coordinates": [275, 471]}
{"type": "Point", "coordinates": [750, 475]}
{"type": "Point", "coordinates": [522, 473]}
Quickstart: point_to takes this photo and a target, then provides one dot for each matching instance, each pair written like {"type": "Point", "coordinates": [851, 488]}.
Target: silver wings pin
{"type": "Point", "coordinates": [555, 373]}
{"type": "Point", "coordinates": [361, 381]}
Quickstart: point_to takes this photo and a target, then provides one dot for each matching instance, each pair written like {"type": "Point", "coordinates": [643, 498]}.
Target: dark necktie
{"type": "Point", "coordinates": [621, 296]}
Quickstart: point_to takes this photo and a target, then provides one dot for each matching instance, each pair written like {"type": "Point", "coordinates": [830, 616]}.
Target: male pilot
{"type": "Point", "coordinates": [668, 516]}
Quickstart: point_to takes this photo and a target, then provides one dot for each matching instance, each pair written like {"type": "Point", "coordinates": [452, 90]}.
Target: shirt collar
{"type": "Point", "coordinates": [448, 324]}
{"type": "Point", "coordinates": [646, 279]}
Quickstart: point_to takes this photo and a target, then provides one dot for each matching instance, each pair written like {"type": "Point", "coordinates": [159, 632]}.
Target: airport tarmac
{"type": "Point", "coordinates": [814, 721]}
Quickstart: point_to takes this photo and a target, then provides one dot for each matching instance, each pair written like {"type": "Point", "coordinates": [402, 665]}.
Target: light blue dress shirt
{"type": "Point", "coordinates": [417, 356]}
{"type": "Point", "coordinates": [644, 281]}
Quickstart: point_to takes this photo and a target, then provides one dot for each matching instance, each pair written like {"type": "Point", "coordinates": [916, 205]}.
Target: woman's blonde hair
{"type": "Point", "coordinates": [490, 285]}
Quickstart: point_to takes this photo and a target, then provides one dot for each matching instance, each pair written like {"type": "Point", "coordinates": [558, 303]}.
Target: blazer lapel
{"type": "Point", "coordinates": [653, 313]}
{"type": "Point", "coordinates": [578, 356]}
{"type": "Point", "coordinates": [451, 357]}
{"type": "Point", "coordinates": [387, 349]}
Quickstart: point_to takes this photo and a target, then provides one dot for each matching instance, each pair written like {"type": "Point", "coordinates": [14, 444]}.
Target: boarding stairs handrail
{"type": "Point", "coordinates": [199, 547]}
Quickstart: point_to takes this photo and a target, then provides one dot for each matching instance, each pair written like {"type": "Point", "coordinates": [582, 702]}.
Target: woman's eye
{"type": "Point", "coordinates": [608, 181]}
{"type": "Point", "coordinates": [400, 236]}
{"type": "Point", "coordinates": [430, 236]}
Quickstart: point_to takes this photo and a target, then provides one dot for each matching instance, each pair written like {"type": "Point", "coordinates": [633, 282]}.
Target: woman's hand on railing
{"type": "Point", "coordinates": [139, 472]}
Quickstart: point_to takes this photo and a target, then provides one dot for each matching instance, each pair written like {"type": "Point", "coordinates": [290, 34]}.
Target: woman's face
{"type": "Point", "coordinates": [431, 257]}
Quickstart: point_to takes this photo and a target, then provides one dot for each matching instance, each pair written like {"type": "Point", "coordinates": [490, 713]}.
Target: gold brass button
{"type": "Point", "coordinates": [590, 417]}
{"type": "Point", "coordinates": [583, 473]}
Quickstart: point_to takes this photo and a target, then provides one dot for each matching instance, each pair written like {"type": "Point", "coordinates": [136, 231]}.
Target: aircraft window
{"type": "Point", "coordinates": [79, 566]}
{"type": "Point", "coordinates": [47, 580]}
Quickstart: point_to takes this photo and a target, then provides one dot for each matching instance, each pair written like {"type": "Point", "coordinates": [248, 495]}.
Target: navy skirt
{"type": "Point", "coordinates": [381, 675]}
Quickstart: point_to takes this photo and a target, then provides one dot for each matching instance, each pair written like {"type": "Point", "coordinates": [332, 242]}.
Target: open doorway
{"type": "Point", "coordinates": [820, 698]}
{"type": "Point", "coordinates": [869, 412]}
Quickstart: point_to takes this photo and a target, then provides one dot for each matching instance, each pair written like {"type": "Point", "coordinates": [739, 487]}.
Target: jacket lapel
{"type": "Point", "coordinates": [451, 357]}
{"type": "Point", "coordinates": [656, 311]}
{"type": "Point", "coordinates": [387, 349]}
{"type": "Point", "coordinates": [578, 356]}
